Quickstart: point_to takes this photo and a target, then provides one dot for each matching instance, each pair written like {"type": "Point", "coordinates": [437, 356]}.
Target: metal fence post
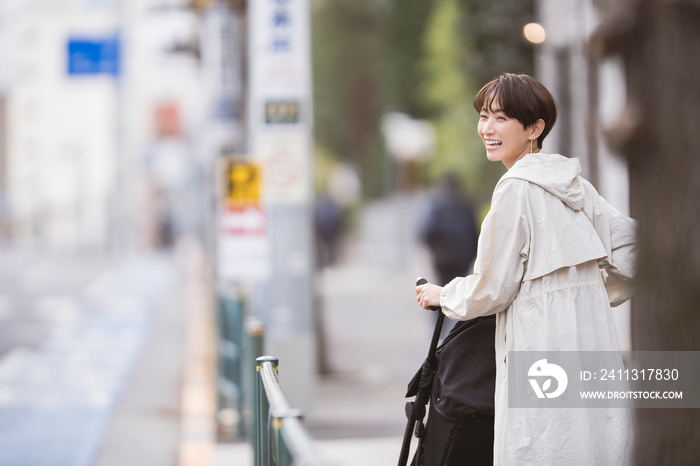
{"type": "Point", "coordinates": [281, 454]}
{"type": "Point", "coordinates": [262, 413]}
{"type": "Point", "coordinates": [231, 313]}
{"type": "Point", "coordinates": [253, 348]}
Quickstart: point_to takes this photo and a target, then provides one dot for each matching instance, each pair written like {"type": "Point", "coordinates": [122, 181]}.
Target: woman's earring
{"type": "Point", "coordinates": [531, 146]}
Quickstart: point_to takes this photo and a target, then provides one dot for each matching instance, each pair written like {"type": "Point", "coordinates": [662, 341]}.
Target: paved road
{"type": "Point", "coordinates": [71, 329]}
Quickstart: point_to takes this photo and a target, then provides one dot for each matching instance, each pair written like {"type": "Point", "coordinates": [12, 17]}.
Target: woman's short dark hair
{"type": "Point", "coordinates": [521, 97]}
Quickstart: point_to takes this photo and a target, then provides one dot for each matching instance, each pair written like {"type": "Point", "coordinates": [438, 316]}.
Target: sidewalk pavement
{"type": "Point", "coordinates": [145, 424]}
{"type": "Point", "coordinates": [377, 338]}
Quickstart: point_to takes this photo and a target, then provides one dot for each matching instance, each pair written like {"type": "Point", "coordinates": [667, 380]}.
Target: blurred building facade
{"type": "Point", "coordinates": [590, 94]}
{"type": "Point", "coordinates": [59, 137]}
{"type": "Point", "coordinates": [100, 113]}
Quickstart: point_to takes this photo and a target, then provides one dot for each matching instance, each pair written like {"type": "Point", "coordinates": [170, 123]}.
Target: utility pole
{"type": "Point", "coordinates": [280, 140]}
{"type": "Point", "coordinates": [256, 65]}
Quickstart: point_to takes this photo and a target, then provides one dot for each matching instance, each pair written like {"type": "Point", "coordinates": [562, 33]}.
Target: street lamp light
{"type": "Point", "coordinates": [534, 32]}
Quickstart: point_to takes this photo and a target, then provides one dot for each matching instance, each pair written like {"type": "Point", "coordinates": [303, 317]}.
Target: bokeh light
{"type": "Point", "coordinates": [534, 33]}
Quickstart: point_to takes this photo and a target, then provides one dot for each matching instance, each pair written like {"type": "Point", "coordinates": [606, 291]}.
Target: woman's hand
{"type": "Point", "coordinates": [428, 295]}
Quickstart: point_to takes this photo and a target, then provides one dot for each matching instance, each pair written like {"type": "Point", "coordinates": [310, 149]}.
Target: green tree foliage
{"type": "Point", "coordinates": [449, 91]}
{"type": "Point", "coordinates": [403, 38]}
{"type": "Point", "coordinates": [424, 58]}
{"type": "Point", "coordinates": [347, 99]}
{"type": "Point", "coordinates": [494, 31]}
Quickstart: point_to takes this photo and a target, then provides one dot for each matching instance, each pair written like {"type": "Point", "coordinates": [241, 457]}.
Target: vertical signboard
{"type": "Point", "coordinates": [279, 138]}
{"type": "Point", "coordinates": [280, 97]}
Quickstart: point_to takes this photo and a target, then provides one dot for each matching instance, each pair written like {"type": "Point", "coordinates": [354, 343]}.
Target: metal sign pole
{"type": "Point", "coordinates": [279, 111]}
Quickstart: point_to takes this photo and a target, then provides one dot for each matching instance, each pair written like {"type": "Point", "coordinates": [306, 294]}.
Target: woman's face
{"type": "Point", "coordinates": [505, 139]}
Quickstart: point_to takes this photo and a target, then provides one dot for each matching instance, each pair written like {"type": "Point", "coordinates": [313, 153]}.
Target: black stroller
{"type": "Point", "coordinates": [458, 380]}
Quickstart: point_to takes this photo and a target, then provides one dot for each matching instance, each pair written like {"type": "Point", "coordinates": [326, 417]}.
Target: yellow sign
{"type": "Point", "coordinates": [241, 182]}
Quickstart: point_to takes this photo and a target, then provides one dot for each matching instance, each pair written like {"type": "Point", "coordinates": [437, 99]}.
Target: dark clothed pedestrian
{"type": "Point", "coordinates": [449, 231]}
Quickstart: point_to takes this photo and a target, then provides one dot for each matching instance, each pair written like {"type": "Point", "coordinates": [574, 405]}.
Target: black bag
{"type": "Point", "coordinates": [465, 379]}
{"type": "Point", "coordinates": [453, 443]}
{"type": "Point", "coordinates": [462, 395]}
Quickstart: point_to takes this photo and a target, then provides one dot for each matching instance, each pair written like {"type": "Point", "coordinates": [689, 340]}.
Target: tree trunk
{"type": "Point", "coordinates": [659, 42]}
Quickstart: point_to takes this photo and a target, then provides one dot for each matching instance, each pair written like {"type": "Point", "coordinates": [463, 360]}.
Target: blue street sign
{"type": "Point", "coordinates": [91, 56]}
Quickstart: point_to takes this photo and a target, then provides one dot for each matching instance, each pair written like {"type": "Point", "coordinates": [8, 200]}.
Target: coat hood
{"type": "Point", "coordinates": [554, 173]}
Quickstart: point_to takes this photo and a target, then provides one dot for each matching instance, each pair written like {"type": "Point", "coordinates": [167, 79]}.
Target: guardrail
{"type": "Point", "coordinates": [240, 341]}
{"type": "Point", "coordinates": [230, 317]}
{"type": "Point", "coordinates": [253, 348]}
{"type": "Point", "coordinates": [281, 439]}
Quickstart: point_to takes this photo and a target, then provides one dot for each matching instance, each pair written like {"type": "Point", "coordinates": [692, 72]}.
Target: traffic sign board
{"type": "Point", "coordinates": [241, 182]}
{"type": "Point", "coordinates": [92, 56]}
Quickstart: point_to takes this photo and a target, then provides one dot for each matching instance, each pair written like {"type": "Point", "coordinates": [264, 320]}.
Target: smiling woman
{"type": "Point", "coordinates": [514, 111]}
{"type": "Point", "coordinates": [506, 140]}
{"type": "Point", "coordinates": [522, 98]}
{"type": "Point", "coordinates": [553, 257]}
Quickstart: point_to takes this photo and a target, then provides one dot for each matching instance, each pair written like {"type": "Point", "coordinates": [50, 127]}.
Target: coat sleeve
{"type": "Point", "coordinates": [619, 269]}
{"type": "Point", "coordinates": [501, 258]}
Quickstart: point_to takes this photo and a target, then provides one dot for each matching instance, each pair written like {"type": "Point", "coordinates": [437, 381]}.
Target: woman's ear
{"type": "Point", "coordinates": [536, 129]}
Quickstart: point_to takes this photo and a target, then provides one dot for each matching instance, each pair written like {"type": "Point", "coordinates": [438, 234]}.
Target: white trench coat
{"type": "Point", "coordinates": [553, 257]}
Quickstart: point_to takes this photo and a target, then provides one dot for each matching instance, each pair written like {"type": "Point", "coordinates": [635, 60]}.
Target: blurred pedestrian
{"type": "Point", "coordinates": [449, 231]}
{"type": "Point", "coordinates": [328, 219]}
{"type": "Point", "coordinates": [553, 257]}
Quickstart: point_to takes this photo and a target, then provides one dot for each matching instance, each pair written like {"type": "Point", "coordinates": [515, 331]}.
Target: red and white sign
{"type": "Point", "coordinates": [248, 220]}
{"type": "Point", "coordinates": [244, 248]}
